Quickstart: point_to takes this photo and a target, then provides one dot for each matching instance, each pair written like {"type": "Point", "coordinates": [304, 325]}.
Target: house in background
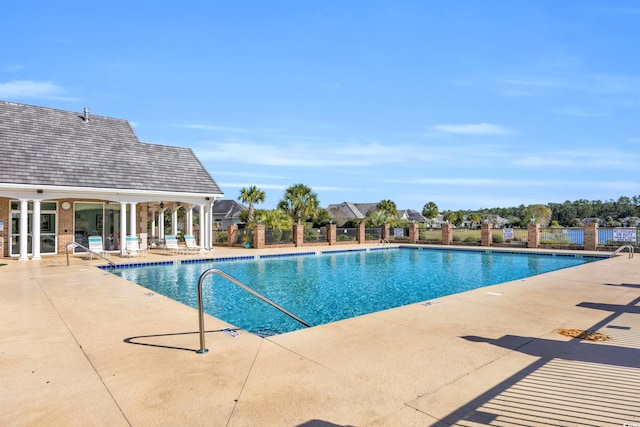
{"type": "Point", "coordinates": [226, 213]}
{"type": "Point", "coordinates": [413, 216]}
{"type": "Point", "coordinates": [65, 176]}
{"type": "Point", "coordinates": [344, 212]}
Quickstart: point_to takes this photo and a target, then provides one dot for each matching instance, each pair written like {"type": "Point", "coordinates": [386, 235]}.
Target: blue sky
{"type": "Point", "coordinates": [468, 104]}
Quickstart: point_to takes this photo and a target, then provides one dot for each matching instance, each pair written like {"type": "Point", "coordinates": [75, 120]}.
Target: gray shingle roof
{"type": "Point", "coordinates": [44, 146]}
{"type": "Point", "coordinates": [227, 208]}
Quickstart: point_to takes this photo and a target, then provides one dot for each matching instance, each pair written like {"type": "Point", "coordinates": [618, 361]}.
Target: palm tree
{"type": "Point", "coordinates": [299, 201]}
{"type": "Point", "coordinates": [430, 210]}
{"type": "Point", "coordinates": [251, 195]}
{"type": "Point", "coordinates": [377, 218]}
{"type": "Point", "coordinates": [275, 218]}
{"type": "Point", "coordinates": [388, 207]}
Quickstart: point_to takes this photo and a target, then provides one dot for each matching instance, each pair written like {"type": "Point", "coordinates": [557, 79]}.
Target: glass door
{"type": "Point", "coordinates": [97, 219]}
{"type": "Point", "coordinates": [111, 226]}
{"type": "Point", "coordinates": [48, 228]}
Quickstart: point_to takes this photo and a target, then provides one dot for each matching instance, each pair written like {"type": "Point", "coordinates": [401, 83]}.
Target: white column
{"type": "Point", "coordinates": [174, 221]}
{"type": "Point", "coordinates": [24, 229]}
{"type": "Point", "coordinates": [202, 227]}
{"type": "Point", "coordinates": [153, 223]}
{"type": "Point", "coordinates": [209, 225]}
{"type": "Point", "coordinates": [35, 232]}
{"type": "Point", "coordinates": [132, 220]}
{"type": "Point", "coordinates": [161, 224]}
{"type": "Point", "coordinates": [123, 228]}
{"type": "Point", "coordinates": [189, 227]}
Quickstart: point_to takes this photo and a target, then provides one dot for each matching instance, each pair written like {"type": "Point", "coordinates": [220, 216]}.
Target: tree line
{"type": "Point", "coordinates": [300, 204]}
{"type": "Point", "coordinates": [615, 213]}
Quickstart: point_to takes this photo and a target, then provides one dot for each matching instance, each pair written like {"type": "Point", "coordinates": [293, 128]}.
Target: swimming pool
{"type": "Point", "coordinates": [338, 285]}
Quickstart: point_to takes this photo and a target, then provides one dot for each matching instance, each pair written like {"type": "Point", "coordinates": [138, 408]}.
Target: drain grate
{"type": "Point", "coordinates": [583, 334]}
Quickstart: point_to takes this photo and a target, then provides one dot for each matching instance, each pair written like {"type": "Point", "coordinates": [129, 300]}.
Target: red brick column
{"type": "Point", "coordinates": [591, 236]}
{"type": "Point", "coordinates": [447, 234]}
{"type": "Point", "coordinates": [258, 236]}
{"type": "Point", "coordinates": [533, 235]}
{"type": "Point", "coordinates": [232, 234]}
{"type": "Point", "coordinates": [331, 233]}
{"type": "Point", "coordinates": [360, 234]}
{"type": "Point", "coordinates": [486, 239]}
{"type": "Point", "coordinates": [413, 233]}
{"type": "Point", "coordinates": [385, 231]}
{"type": "Point", "coordinates": [65, 226]}
{"type": "Point", "coordinates": [298, 235]}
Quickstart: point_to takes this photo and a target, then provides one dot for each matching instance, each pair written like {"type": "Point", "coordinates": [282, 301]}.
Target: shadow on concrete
{"type": "Point", "coordinates": [137, 340]}
{"type": "Point", "coordinates": [320, 423]}
{"type": "Point", "coordinates": [573, 382]}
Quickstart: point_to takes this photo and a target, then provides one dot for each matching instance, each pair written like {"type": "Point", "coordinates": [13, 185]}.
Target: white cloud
{"type": "Point", "coordinates": [540, 161]}
{"type": "Point", "coordinates": [579, 112]}
{"type": "Point", "coordinates": [583, 159]}
{"type": "Point", "coordinates": [473, 129]}
{"type": "Point", "coordinates": [28, 89]}
{"type": "Point", "coordinates": [250, 175]}
{"type": "Point", "coordinates": [469, 182]}
{"type": "Point", "coordinates": [216, 128]}
{"type": "Point", "coordinates": [248, 184]}
{"type": "Point", "coordinates": [12, 68]}
{"type": "Point", "coordinates": [309, 155]}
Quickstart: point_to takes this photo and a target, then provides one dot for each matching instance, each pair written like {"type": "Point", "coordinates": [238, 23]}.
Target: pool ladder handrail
{"type": "Point", "coordinates": [243, 286]}
{"type": "Point", "coordinates": [75, 245]}
{"type": "Point", "coordinates": [622, 248]}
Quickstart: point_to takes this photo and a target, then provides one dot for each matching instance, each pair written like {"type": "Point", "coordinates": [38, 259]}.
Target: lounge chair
{"type": "Point", "coordinates": [171, 243]}
{"type": "Point", "coordinates": [96, 247]}
{"type": "Point", "coordinates": [190, 241]}
{"type": "Point", "coordinates": [133, 247]}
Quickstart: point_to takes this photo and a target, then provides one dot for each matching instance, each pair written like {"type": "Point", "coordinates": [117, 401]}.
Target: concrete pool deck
{"type": "Point", "coordinates": [80, 346]}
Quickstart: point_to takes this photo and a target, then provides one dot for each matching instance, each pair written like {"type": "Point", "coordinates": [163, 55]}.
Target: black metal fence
{"type": "Point", "coordinates": [278, 236]}
{"type": "Point", "coordinates": [346, 235]}
{"type": "Point", "coordinates": [313, 235]}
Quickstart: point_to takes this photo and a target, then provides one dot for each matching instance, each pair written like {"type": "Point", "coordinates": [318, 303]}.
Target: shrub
{"type": "Point", "coordinates": [496, 238]}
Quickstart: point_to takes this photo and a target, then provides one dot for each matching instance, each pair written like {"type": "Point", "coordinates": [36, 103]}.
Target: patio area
{"type": "Point", "coordinates": [80, 346]}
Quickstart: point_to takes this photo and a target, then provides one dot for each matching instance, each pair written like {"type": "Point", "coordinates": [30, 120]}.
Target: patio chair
{"type": "Point", "coordinates": [133, 247]}
{"type": "Point", "coordinates": [190, 242]}
{"type": "Point", "coordinates": [171, 243]}
{"type": "Point", "coordinates": [96, 247]}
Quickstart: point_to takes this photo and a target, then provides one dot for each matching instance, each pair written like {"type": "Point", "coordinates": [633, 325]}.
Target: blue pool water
{"type": "Point", "coordinates": [329, 287]}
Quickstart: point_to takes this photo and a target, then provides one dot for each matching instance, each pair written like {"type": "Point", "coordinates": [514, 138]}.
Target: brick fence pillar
{"type": "Point", "coordinates": [591, 236]}
{"type": "Point", "coordinates": [413, 233]}
{"type": "Point", "coordinates": [298, 235]}
{"type": "Point", "coordinates": [331, 234]}
{"type": "Point", "coordinates": [258, 236]}
{"type": "Point", "coordinates": [486, 239]}
{"type": "Point", "coordinates": [533, 235]}
{"type": "Point", "coordinates": [360, 234]}
{"type": "Point", "coordinates": [447, 234]}
{"type": "Point", "coordinates": [232, 235]}
{"type": "Point", "coordinates": [385, 232]}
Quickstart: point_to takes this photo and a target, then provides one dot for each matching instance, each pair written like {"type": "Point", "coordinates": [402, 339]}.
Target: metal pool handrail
{"type": "Point", "coordinates": [243, 286]}
{"type": "Point", "coordinates": [622, 248]}
{"type": "Point", "coordinates": [75, 245]}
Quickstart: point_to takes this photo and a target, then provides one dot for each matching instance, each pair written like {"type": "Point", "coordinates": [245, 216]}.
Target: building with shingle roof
{"type": "Point", "coordinates": [226, 213]}
{"type": "Point", "coordinates": [344, 212]}
{"type": "Point", "coordinates": [85, 174]}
